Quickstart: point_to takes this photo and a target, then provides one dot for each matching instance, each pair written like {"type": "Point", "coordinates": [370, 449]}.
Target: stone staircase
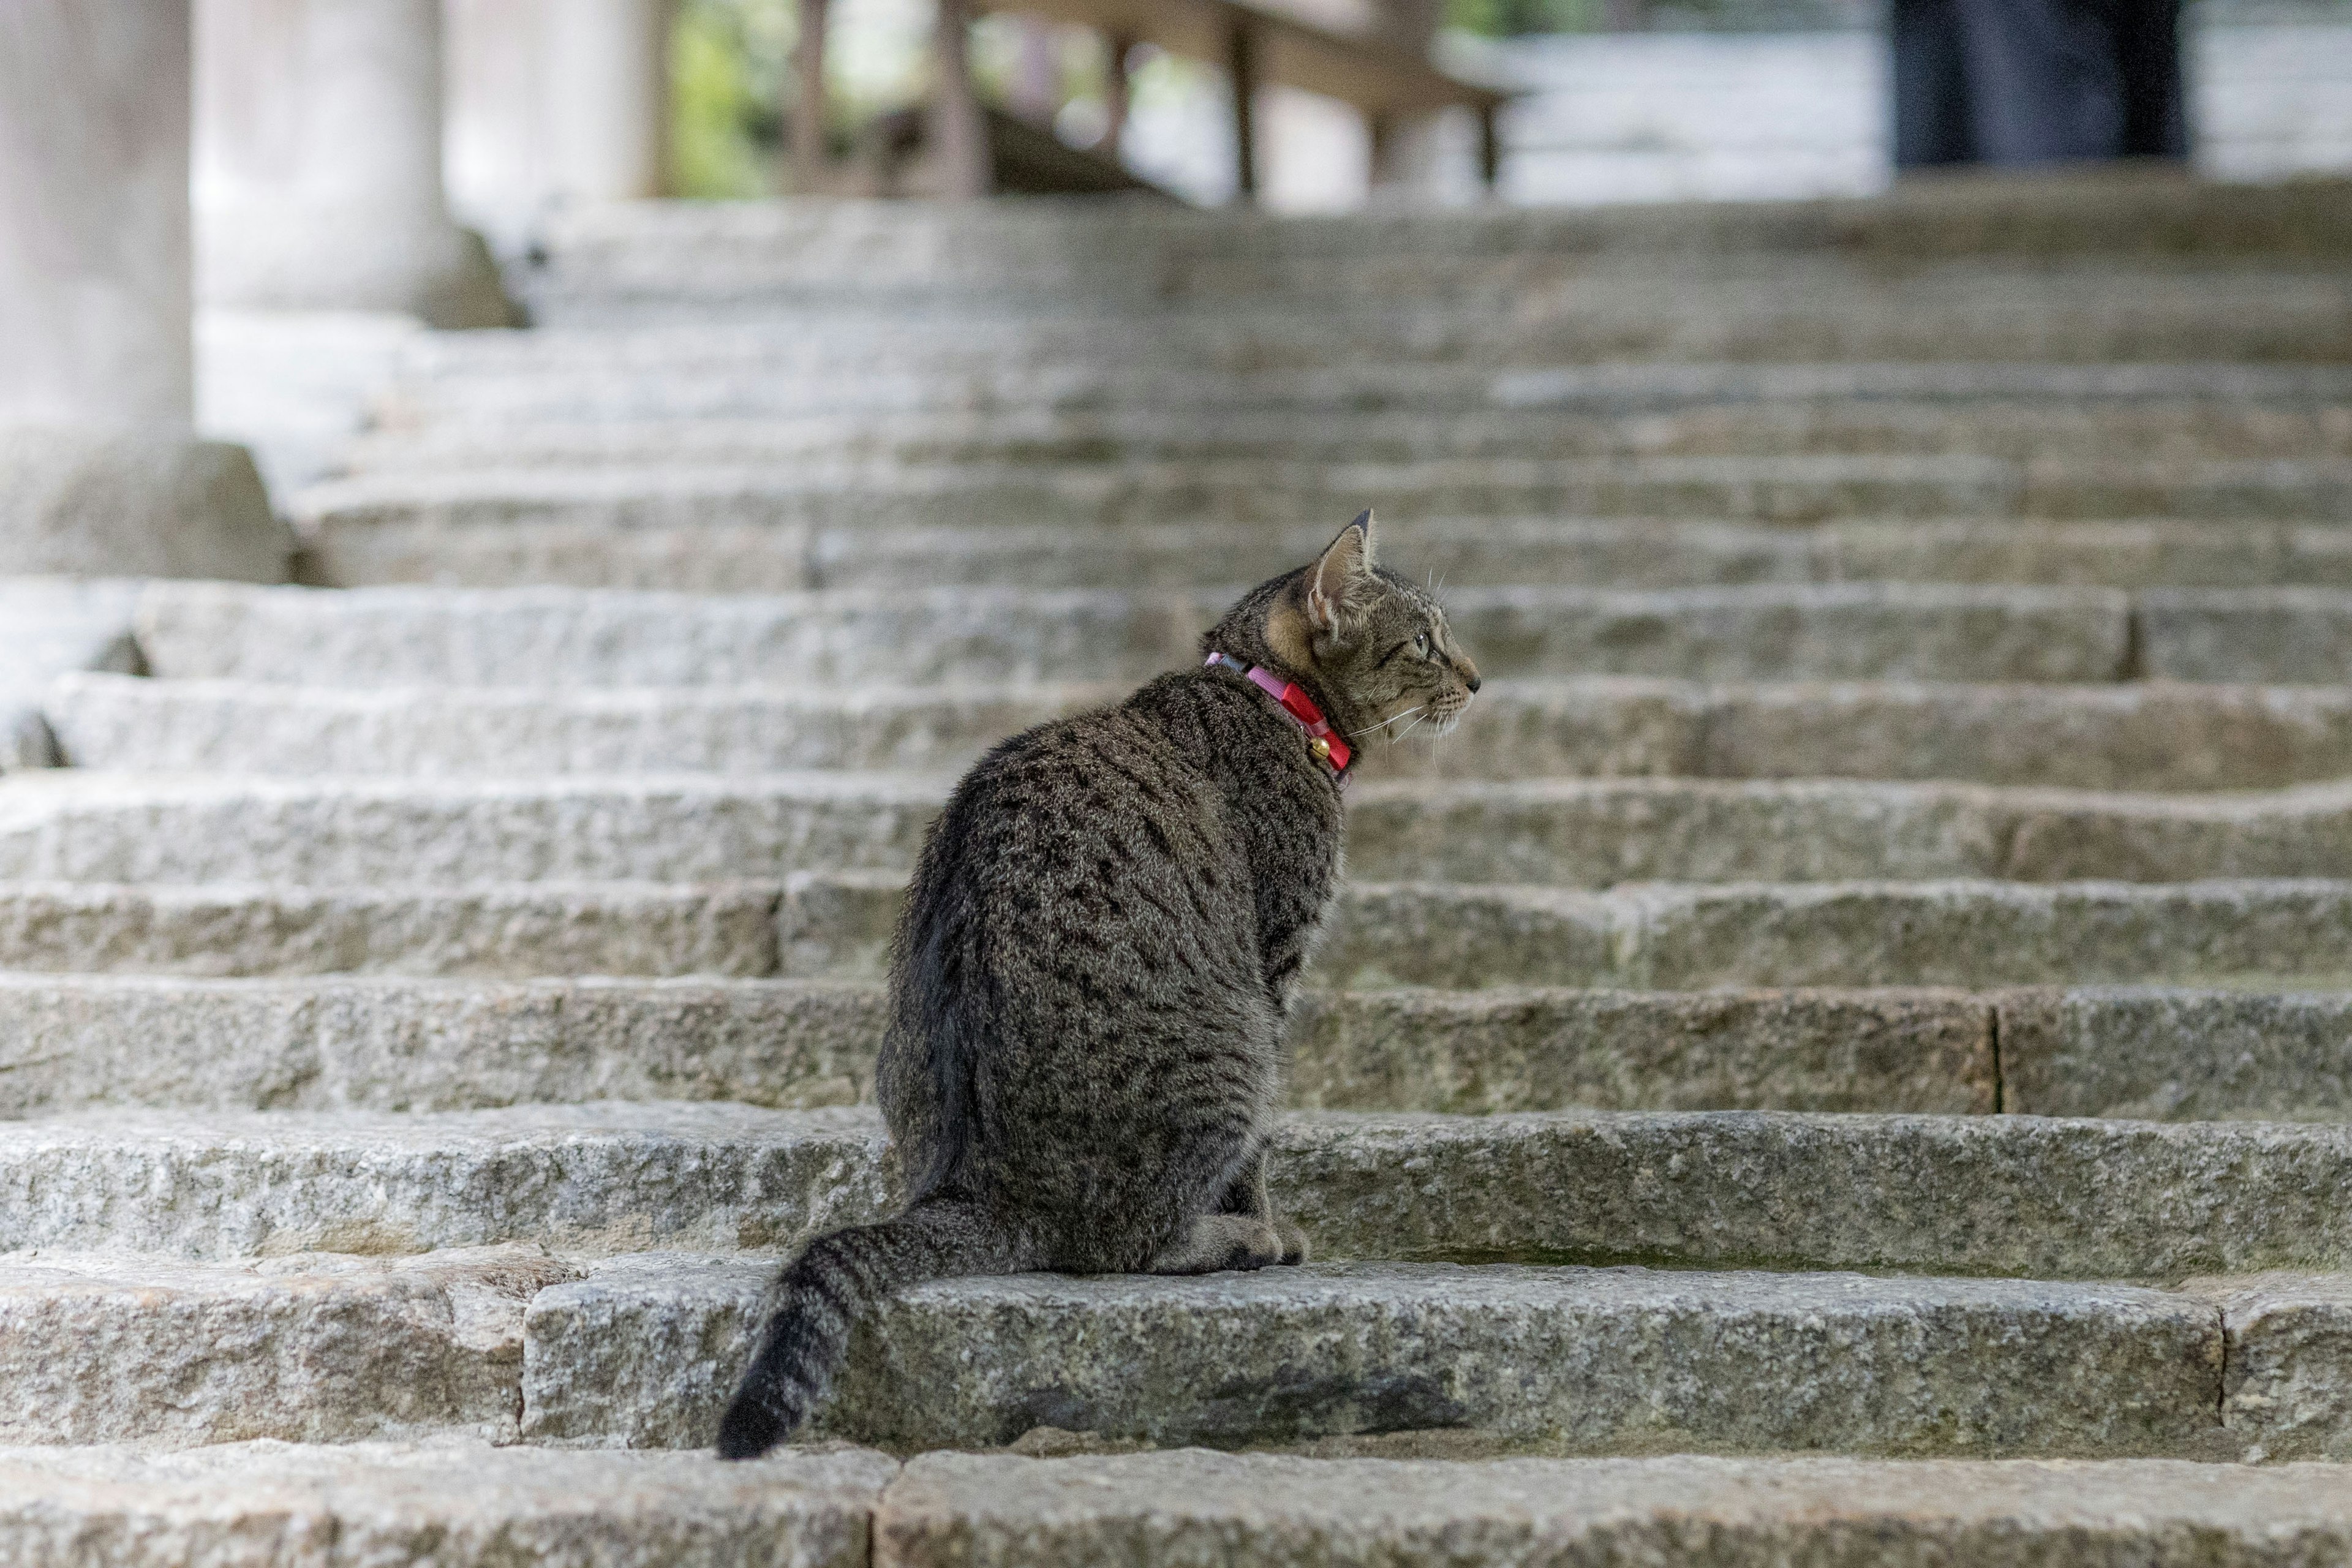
{"type": "Point", "coordinates": [1846, 1055]}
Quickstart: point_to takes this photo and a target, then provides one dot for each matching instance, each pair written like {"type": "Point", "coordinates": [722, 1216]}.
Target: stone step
{"type": "Point", "coordinates": [972, 1510]}
{"type": "Point", "coordinates": [746, 369]}
{"type": "Point", "coordinates": [265, 727]}
{"type": "Point", "coordinates": [111, 1348]}
{"type": "Point", "coordinates": [2270, 633]}
{"type": "Point", "coordinates": [2136, 735]}
{"type": "Point", "coordinates": [1699, 936]}
{"type": "Point", "coordinates": [1056, 248]}
{"type": "Point", "coordinates": [1634, 552]}
{"type": "Point", "coordinates": [836, 926]}
{"type": "Point", "coordinates": [1775, 488]}
{"type": "Point", "coordinates": [1557, 1360]}
{"type": "Point", "coordinates": [478, 930]}
{"type": "Point", "coordinates": [456, 1504]}
{"type": "Point", "coordinates": [1971, 1193]}
{"type": "Point", "coordinates": [63, 826]}
{"type": "Point", "coordinates": [568, 637]}
{"type": "Point", "coordinates": [82, 1041]}
{"type": "Point", "coordinates": [1774, 311]}
{"type": "Point", "coordinates": [1226, 431]}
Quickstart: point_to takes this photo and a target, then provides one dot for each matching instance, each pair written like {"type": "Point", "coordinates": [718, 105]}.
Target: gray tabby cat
{"type": "Point", "coordinates": [1105, 931]}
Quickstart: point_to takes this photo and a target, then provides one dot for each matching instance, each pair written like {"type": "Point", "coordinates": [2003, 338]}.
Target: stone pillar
{"type": "Point", "coordinates": [100, 470]}
{"type": "Point", "coordinates": [608, 99]}
{"type": "Point", "coordinates": [319, 180]}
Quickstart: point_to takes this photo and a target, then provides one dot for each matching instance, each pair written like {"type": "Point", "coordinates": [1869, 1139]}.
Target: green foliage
{"type": "Point", "coordinates": [727, 115]}
{"type": "Point", "coordinates": [1505, 18]}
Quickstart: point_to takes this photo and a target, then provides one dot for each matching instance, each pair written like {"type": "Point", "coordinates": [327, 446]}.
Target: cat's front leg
{"type": "Point", "coordinates": [1249, 1195]}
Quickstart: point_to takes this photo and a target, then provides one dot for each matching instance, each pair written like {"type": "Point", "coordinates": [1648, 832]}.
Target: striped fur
{"type": "Point", "coordinates": [818, 1300]}
{"type": "Point", "coordinates": [1105, 929]}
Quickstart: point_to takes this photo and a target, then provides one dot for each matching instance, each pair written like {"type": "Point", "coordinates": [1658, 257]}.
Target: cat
{"type": "Point", "coordinates": [1105, 930]}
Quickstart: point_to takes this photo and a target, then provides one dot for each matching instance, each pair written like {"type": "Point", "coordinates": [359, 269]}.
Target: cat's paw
{"type": "Point", "coordinates": [1223, 1243]}
{"type": "Point", "coordinates": [1292, 1240]}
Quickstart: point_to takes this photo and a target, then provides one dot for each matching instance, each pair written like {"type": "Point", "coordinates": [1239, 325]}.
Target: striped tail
{"type": "Point", "coordinates": [819, 1297]}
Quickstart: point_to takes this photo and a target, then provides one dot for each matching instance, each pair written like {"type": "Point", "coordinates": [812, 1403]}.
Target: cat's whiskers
{"type": "Point", "coordinates": [1385, 722]}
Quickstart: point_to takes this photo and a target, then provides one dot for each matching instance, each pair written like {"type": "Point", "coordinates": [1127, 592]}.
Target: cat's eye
{"type": "Point", "coordinates": [1421, 644]}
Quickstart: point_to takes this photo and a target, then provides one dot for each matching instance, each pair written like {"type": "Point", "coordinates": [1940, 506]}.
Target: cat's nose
{"type": "Point", "coordinates": [1471, 681]}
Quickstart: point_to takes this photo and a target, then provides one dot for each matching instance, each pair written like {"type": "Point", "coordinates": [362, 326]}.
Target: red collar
{"type": "Point", "coordinates": [1321, 738]}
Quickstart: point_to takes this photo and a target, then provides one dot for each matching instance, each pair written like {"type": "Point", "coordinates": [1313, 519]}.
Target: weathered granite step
{"type": "Point", "coordinates": [974, 1510]}
{"type": "Point", "coordinates": [1775, 311]}
{"type": "Point", "coordinates": [2112, 736]}
{"type": "Point", "coordinates": [61, 825]}
{"type": "Point", "coordinates": [1698, 935]}
{"type": "Point", "coordinates": [1977, 1195]}
{"type": "Point", "coordinates": [744, 370]}
{"type": "Point", "coordinates": [2263, 634]}
{"type": "Point", "coordinates": [765, 375]}
{"type": "Point", "coordinates": [1770, 631]}
{"type": "Point", "coordinates": [476, 928]}
{"type": "Point", "coordinates": [265, 727]}
{"type": "Point", "coordinates": [108, 1348]}
{"type": "Point", "coordinates": [1051, 248]}
{"type": "Point", "coordinates": [86, 1042]}
{"type": "Point", "coordinates": [1232, 430]}
{"type": "Point", "coordinates": [1802, 488]}
{"type": "Point", "coordinates": [685, 556]}
{"type": "Point", "coordinates": [451, 1503]}
{"type": "Point", "coordinates": [1564, 1360]}
{"type": "Point", "coordinates": [551, 637]}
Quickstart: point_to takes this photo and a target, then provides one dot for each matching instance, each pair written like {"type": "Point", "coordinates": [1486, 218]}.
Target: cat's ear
{"type": "Point", "coordinates": [1345, 566]}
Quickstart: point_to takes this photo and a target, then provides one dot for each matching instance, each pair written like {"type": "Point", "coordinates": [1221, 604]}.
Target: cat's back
{"type": "Point", "coordinates": [1086, 785]}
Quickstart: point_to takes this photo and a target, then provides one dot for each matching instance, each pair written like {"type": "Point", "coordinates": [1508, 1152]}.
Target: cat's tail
{"type": "Point", "coordinates": [820, 1296]}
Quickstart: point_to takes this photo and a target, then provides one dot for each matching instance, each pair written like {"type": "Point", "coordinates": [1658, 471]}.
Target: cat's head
{"type": "Point", "coordinates": [1373, 645]}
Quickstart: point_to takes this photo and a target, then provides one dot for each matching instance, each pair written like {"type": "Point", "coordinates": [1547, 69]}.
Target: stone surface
{"type": "Point", "coordinates": [111, 1348]}
{"type": "Point", "coordinates": [1005, 1512]}
{"type": "Point", "coordinates": [1783, 489]}
{"type": "Point", "coordinates": [2005, 1195]}
{"type": "Point", "coordinates": [1503, 1049]}
{"type": "Point", "coordinates": [254, 727]}
{"type": "Point", "coordinates": [135, 503]}
{"type": "Point", "coordinates": [1576, 833]}
{"type": "Point", "coordinates": [79, 1042]}
{"type": "Point", "coordinates": [2287, 1379]}
{"type": "Point", "coordinates": [646, 827]}
{"type": "Point", "coordinates": [271, 1504]}
{"type": "Point", "coordinates": [2008, 1195]}
{"type": "Point", "coordinates": [603, 1177]}
{"type": "Point", "coordinates": [2287, 634]}
{"type": "Point", "coordinates": [1570, 1360]}
{"type": "Point", "coordinates": [559, 638]}
{"type": "Point", "coordinates": [1643, 935]}
{"type": "Point", "coordinates": [2176, 1054]}
{"type": "Point", "coordinates": [685, 556]}
{"type": "Point", "coordinates": [506, 931]}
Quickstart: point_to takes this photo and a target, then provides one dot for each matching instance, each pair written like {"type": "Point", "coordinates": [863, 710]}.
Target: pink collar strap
{"type": "Point", "coordinates": [1321, 738]}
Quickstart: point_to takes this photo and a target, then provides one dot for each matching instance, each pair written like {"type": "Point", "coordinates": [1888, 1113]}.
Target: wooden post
{"type": "Point", "coordinates": [1381, 133]}
{"type": "Point", "coordinates": [1241, 61]}
{"type": "Point", "coordinates": [1116, 90]}
{"type": "Point", "coordinates": [1490, 148]}
{"type": "Point", "coordinates": [811, 160]}
{"type": "Point", "coordinates": [959, 133]}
